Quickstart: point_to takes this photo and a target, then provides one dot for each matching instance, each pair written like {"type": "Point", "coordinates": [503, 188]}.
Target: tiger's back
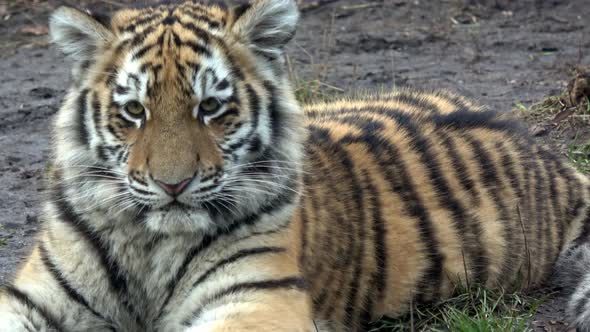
{"type": "Point", "coordinates": [409, 194]}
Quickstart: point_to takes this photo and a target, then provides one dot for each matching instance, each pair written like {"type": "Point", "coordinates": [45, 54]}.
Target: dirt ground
{"type": "Point", "coordinates": [500, 52]}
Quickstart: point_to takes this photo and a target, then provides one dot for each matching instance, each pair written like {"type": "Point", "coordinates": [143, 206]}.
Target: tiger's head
{"type": "Point", "coordinates": [181, 114]}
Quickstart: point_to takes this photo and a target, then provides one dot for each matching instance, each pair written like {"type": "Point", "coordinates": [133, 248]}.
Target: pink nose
{"type": "Point", "coordinates": [174, 189]}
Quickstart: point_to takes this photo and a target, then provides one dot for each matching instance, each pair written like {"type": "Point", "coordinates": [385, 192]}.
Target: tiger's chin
{"type": "Point", "coordinates": [177, 218]}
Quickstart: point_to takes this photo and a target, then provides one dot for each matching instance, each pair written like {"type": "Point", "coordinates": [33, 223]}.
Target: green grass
{"type": "Point", "coordinates": [2, 240]}
{"type": "Point", "coordinates": [477, 310]}
{"type": "Point", "coordinates": [579, 155]}
{"type": "Point", "coordinates": [554, 111]}
{"type": "Point", "coordinates": [315, 91]}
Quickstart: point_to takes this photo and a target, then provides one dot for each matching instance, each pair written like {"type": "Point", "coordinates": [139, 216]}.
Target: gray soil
{"type": "Point", "coordinates": [497, 52]}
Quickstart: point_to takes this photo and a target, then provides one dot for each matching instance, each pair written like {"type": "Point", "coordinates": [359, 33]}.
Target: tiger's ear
{"type": "Point", "coordinates": [266, 25]}
{"type": "Point", "coordinates": [78, 34]}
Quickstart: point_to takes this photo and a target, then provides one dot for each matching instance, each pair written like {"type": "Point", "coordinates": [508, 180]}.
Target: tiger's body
{"type": "Point", "coordinates": [190, 192]}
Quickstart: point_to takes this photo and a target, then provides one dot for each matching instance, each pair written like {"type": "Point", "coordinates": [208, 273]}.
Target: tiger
{"type": "Point", "coordinates": [189, 191]}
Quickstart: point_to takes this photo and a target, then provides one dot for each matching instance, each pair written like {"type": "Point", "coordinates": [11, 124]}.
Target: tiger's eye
{"type": "Point", "coordinates": [210, 105]}
{"type": "Point", "coordinates": [134, 109]}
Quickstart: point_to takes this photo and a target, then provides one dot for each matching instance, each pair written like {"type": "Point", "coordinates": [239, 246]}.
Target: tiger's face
{"type": "Point", "coordinates": [185, 108]}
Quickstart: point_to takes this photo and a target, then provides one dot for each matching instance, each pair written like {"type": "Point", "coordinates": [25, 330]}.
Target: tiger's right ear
{"type": "Point", "coordinates": [78, 34]}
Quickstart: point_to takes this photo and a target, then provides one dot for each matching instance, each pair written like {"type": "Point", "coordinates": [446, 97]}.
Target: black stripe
{"type": "Point", "coordinates": [198, 31]}
{"type": "Point", "coordinates": [395, 171]}
{"type": "Point", "coordinates": [323, 139]}
{"type": "Point", "coordinates": [514, 250]}
{"type": "Point", "coordinates": [197, 17]}
{"type": "Point", "coordinates": [275, 204]}
{"type": "Point", "coordinates": [255, 144]}
{"type": "Point", "coordinates": [551, 206]}
{"type": "Point", "coordinates": [255, 108]}
{"type": "Point", "coordinates": [555, 196]}
{"type": "Point", "coordinates": [584, 235]}
{"type": "Point", "coordinates": [96, 114]}
{"type": "Point", "coordinates": [119, 89]}
{"type": "Point", "coordinates": [139, 38]}
{"type": "Point", "coordinates": [82, 110]}
{"type": "Point", "coordinates": [446, 197]}
{"type": "Point", "coordinates": [376, 292]}
{"type": "Point", "coordinates": [118, 49]}
{"type": "Point", "coordinates": [197, 48]}
{"type": "Point", "coordinates": [342, 252]}
{"type": "Point", "coordinates": [457, 101]}
{"type": "Point", "coordinates": [141, 191]}
{"type": "Point", "coordinates": [121, 155]}
{"type": "Point", "coordinates": [415, 101]}
{"type": "Point", "coordinates": [142, 51]}
{"type": "Point", "coordinates": [466, 119]}
{"type": "Point", "coordinates": [538, 211]}
{"type": "Point", "coordinates": [235, 257]}
{"type": "Point", "coordinates": [304, 221]}
{"type": "Point", "coordinates": [231, 60]}
{"type": "Point", "coordinates": [176, 39]}
{"type": "Point", "coordinates": [222, 85]}
{"type": "Point", "coordinates": [135, 80]}
{"type": "Point", "coordinates": [170, 20]}
{"type": "Point", "coordinates": [470, 229]}
{"type": "Point", "coordinates": [276, 116]}
{"type": "Point", "coordinates": [544, 213]}
{"type": "Point", "coordinates": [368, 125]}
{"type": "Point", "coordinates": [69, 216]}
{"type": "Point", "coordinates": [580, 309]}
{"type": "Point", "coordinates": [462, 119]}
{"type": "Point", "coordinates": [137, 176]}
{"type": "Point", "coordinates": [59, 276]}
{"type": "Point", "coordinates": [491, 180]}
{"type": "Point", "coordinates": [508, 164]}
{"type": "Point", "coordinates": [319, 202]}
{"type": "Point", "coordinates": [22, 297]}
{"type": "Point", "coordinates": [241, 10]}
{"type": "Point", "coordinates": [142, 21]}
{"type": "Point", "coordinates": [534, 231]}
{"type": "Point", "coordinates": [111, 267]}
{"type": "Point", "coordinates": [462, 173]}
{"type": "Point", "coordinates": [292, 283]}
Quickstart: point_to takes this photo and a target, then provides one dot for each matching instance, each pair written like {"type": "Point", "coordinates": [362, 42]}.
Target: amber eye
{"type": "Point", "coordinates": [134, 109]}
{"type": "Point", "coordinates": [210, 105]}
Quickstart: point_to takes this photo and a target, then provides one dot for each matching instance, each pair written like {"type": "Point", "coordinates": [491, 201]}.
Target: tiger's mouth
{"type": "Point", "coordinates": [176, 205]}
{"type": "Point", "coordinates": [210, 206]}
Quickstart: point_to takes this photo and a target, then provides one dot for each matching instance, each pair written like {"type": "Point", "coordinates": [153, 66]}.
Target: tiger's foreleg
{"type": "Point", "coordinates": [282, 311]}
{"type": "Point", "coordinates": [42, 299]}
{"type": "Point", "coordinates": [263, 290]}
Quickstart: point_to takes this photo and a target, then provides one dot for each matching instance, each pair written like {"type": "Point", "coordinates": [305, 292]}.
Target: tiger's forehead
{"type": "Point", "coordinates": [208, 17]}
{"type": "Point", "coordinates": [167, 47]}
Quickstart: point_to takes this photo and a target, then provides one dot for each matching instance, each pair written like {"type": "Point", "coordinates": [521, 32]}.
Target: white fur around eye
{"type": "Point", "coordinates": [207, 117]}
{"type": "Point", "coordinates": [138, 122]}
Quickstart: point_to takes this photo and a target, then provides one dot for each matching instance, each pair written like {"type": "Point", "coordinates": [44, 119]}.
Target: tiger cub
{"type": "Point", "coordinates": [190, 192]}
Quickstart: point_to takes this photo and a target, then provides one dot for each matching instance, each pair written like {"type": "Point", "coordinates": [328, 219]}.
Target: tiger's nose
{"type": "Point", "coordinates": [174, 189]}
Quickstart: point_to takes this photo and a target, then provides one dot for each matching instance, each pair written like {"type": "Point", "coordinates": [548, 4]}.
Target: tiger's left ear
{"type": "Point", "coordinates": [266, 25]}
{"type": "Point", "coordinates": [79, 35]}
